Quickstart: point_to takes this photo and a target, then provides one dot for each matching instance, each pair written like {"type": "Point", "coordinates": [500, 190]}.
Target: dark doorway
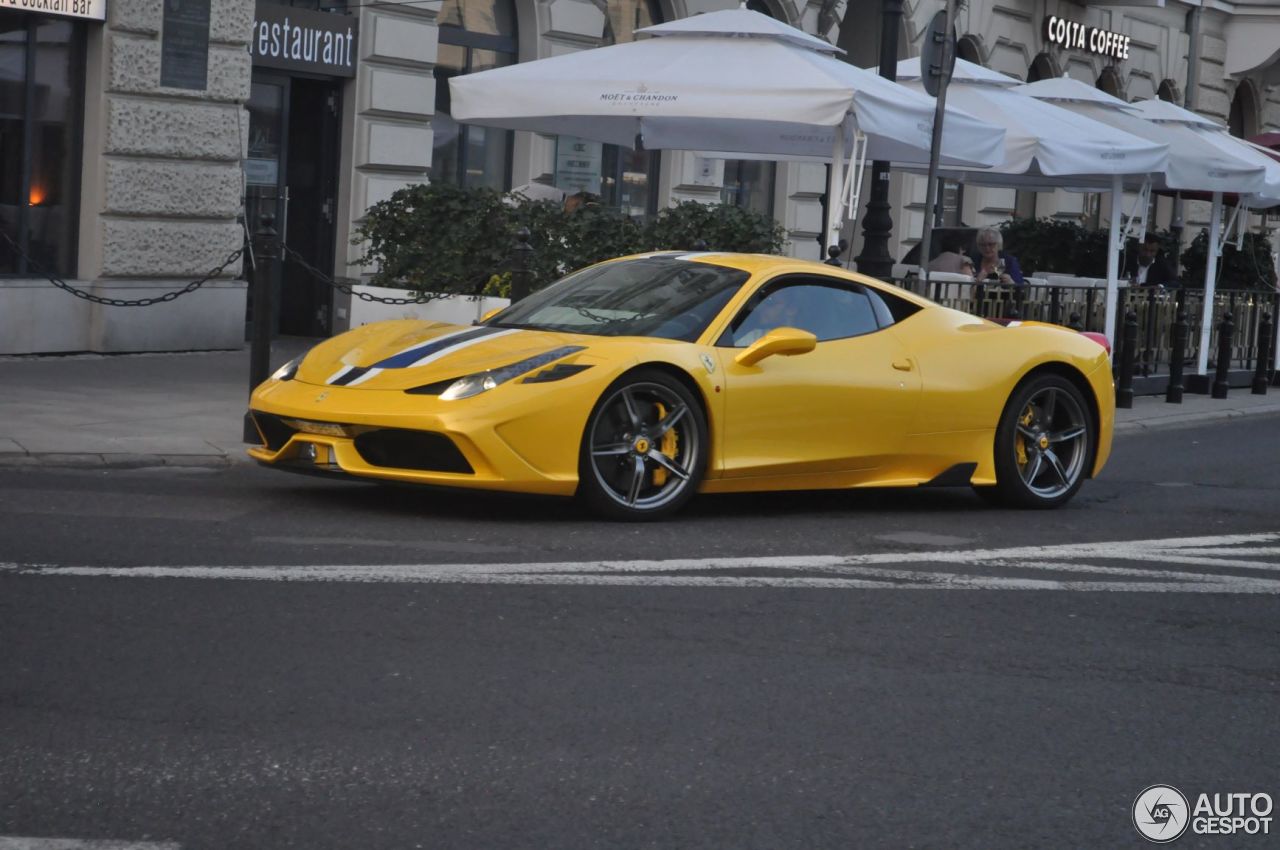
{"type": "Point", "coordinates": [292, 172]}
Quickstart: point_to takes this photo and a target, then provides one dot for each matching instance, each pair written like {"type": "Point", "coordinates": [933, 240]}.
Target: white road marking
{"type": "Point", "coordinates": [8, 842]}
{"type": "Point", "coordinates": [869, 571]}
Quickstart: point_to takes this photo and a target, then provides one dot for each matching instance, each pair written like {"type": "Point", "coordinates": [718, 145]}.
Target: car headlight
{"type": "Point", "coordinates": [288, 370]}
{"type": "Point", "coordinates": [470, 385]}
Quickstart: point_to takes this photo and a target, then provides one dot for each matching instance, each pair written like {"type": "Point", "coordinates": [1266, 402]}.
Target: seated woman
{"type": "Point", "coordinates": [993, 264]}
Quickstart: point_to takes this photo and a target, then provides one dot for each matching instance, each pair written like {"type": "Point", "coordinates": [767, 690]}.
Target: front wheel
{"type": "Point", "coordinates": [644, 450]}
{"type": "Point", "coordinates": [1043, 444]}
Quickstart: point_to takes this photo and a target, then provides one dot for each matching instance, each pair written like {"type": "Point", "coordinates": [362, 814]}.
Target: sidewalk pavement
{"type": "Point", "coordinates": [137, 410]}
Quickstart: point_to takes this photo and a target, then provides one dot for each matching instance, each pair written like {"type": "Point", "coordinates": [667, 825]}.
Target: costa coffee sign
{"type": "Point", "coordinates": [1076, 36]}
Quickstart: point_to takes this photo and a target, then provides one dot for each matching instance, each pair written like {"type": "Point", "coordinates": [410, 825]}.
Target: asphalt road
{"type": "Point", "coordinates": [476, 713]}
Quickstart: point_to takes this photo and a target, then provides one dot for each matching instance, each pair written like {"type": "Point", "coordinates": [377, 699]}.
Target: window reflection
{"type": "Point", "coordinates": [474, 36]}
{"type": "Point", "coordinates": [627, 178]}
{"type": "Point", "coordinates": [748, 183]}
{"type": "Point", "coordinates": [40, 72]}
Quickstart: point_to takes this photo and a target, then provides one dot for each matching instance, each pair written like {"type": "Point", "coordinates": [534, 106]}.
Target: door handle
{"type": "Point", "coordinates": [903, 365]}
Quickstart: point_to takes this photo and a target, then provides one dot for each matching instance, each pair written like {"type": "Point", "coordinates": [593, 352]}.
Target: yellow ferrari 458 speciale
{"type": "Point", "coordinates": [641, 381]}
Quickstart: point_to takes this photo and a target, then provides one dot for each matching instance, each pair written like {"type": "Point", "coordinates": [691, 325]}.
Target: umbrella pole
{"type": "Point", "coordinates": [1113, 261]}
{"type": "Point", "coordinates": [835, 194]}
{"type": "Point", "coordinates": [1210, 283]}
{"type": "Point", "coordinates": [935, 144]}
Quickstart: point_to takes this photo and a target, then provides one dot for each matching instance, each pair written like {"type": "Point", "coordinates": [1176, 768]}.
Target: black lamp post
{"type": "Point", "coordinates": [877, 225]}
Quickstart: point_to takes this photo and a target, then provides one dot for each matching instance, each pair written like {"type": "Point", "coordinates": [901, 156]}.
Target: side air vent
{"type": "Point", "coordinates": [273, 429]}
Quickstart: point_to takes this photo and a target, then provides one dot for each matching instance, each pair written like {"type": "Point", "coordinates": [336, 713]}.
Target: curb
{"type": "Point", "coordinates": [1186, 420]}
{"type": "Point", "coordinates": [74, 460]}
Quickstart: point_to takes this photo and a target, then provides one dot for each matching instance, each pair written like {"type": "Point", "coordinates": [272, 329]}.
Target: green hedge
{"type": "Point", "coordinates": [1065, 247]}
{"type": "Point", "coordinates": [446, 239]}
{"type": "Point", "coordinates": [1248, 267]}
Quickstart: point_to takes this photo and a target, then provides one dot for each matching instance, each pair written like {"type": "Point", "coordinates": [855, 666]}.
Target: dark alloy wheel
{"type": "Point", "coordinates": [1044, 444]}
{"type": "Point", "coordinates": [644, 449]}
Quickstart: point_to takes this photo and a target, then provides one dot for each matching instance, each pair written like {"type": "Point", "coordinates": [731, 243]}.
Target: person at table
{"type": "Point", "coordinates": [992, 263]}
{"type": "Point", "coordinates": [1148, 268]}
{"type": "Point", "coordinates": [952, 259]}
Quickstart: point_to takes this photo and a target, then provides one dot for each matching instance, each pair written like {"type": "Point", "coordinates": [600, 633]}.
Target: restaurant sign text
{"type": "Point", "coordinates": [1076, 36]}
{"type": "Point", "coordinates": [293, 38]}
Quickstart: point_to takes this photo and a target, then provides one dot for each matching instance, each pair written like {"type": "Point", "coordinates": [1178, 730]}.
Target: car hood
{"type": "Point", "coordinates": [401, 355]}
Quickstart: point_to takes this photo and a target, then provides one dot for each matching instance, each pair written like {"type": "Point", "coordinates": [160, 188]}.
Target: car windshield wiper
{"type": "Point", "coordinates": [515, 325]}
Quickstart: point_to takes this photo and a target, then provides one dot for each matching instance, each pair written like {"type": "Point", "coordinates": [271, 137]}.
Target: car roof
{"type": "Point", "coordinates": [771, 264]}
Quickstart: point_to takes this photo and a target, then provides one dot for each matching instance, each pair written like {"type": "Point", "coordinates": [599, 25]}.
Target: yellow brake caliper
{"type": "Point", "coordinates": [1019, 442]}
{"type": "Point", "coordinates": [668, 447]}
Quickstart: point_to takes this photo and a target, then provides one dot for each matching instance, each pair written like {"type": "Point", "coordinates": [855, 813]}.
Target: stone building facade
{"type": "Point", "coordinates": [152, 193]}
{"type": "Point", "coordinates": [184, 117]}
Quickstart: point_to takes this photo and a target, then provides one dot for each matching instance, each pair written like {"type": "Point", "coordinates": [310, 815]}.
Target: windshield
{"type": "Point", "coordinates": [662, 297]}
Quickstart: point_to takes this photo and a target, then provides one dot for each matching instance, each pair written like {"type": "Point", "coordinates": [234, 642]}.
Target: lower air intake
{"type": "Point", "coordinates": [274, 430]}
{"type": "Point", "coordinates": [397, 448]}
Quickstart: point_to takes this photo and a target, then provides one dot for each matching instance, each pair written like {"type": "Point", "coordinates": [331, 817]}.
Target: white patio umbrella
{"type": "Point", "coordinates": [735, 82]}
{"type": "Point", "coordinates": [1196, 163]}
{"type": "Point", "coordinates": [1162, 111]}
{"type": "Point", "coordinates": [1047, 147]}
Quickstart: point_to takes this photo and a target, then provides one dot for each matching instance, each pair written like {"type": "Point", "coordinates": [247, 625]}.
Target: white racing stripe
{"type": "Point", "coordinates": [871, 571]}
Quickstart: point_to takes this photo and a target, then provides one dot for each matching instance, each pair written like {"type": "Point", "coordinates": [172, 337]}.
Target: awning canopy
{"type": "Point", "coordinates": [1164, 113]}
{"type": "Point", "coordinates": [733, 81]}
{"type": "Point", "coordinates": [1045, 146]}
{"type": "Point", "coordinates": [1196, 162]}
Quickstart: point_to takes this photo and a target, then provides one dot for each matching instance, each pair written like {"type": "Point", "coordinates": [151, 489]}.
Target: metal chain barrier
{"type": "Point", "coordinates": [346, 288]}
{"type": "Point", "coordinates": [121, 302]}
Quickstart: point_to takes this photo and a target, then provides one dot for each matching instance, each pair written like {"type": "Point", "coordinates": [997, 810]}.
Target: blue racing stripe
{"type": "Point", "coordinates": [347, 377]}
{"type": "Point", "coordinates": [412, 355]}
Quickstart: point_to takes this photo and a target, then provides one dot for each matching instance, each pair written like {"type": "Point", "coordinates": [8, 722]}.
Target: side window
{"type": "Point", "coordinates": [826, 311]}
{"type": "Point", "coordinates": [890, 308]}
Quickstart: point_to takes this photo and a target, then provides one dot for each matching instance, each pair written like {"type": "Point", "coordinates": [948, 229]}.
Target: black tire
{"type": "Point", "coordinates": [1044, 444]}
{"type": "Point", "coordinates": [644, 450]}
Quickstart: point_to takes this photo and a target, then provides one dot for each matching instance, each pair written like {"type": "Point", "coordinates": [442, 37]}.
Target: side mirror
{"type": "Point", "coordinates": [490, 314]}
{"type": "Point", "coordinates": [785, 341]}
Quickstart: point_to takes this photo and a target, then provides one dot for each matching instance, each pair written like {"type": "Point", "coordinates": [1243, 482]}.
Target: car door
{"type": "Point", "coordinates": [846, 405]}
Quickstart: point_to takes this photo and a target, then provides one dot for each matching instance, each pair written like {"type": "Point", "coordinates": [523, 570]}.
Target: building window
{"type": "Point", "coordinates": [41, 97]}
{"type": "Point", "coordinates": [1041, 69]}
{"type": "Point", "coordinates": [1109, 81]}
{"type": "Point", "coordinates": [1242, 121]}
{"type": "Point", "coordinates": [621, 177]}
{"type": "Point", "coordinates": [475, 35]}
{"type": "Point", "coordinates": [969, 48]}
{"type": "Point", "coordinates": [748, 183]}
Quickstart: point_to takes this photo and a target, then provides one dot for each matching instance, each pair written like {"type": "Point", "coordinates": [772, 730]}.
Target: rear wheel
{"type": "Point", "coordinates": [1043, 444]}
{"type": "Point", "coordinates": [644, 449]}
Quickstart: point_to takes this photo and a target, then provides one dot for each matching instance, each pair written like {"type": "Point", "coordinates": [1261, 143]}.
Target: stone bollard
{"type": "Point", "coordinates": [1265, 330]}
{"type": "Point", "coordinates": [1173, 395]}
{"type": "Point", "coordinates": [1124, 389]}
{"type": "Point", "coordinates": [1225, 331]}
{"type": "Point", "coordinates": [833, 255]}
{"type": "Point", "coordinates": [1075, 322]}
